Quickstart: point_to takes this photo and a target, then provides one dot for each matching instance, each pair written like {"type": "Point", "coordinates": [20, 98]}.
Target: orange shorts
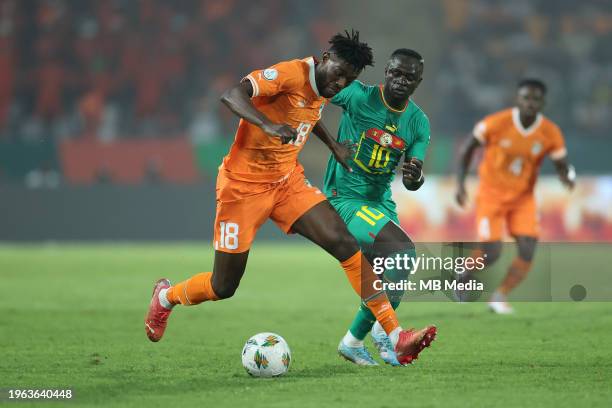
{"type": "Point", "coordinates": [520, 217]}
{"type": "Point", "coordinates": [242, 207]}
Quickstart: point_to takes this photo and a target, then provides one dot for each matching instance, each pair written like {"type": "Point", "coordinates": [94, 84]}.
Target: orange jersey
{"type": "Point", "coordinates": [287, 94]}
{"type": "Point", "coordinates": [513, 154]}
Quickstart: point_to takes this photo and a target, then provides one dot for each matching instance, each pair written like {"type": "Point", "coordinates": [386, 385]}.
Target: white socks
{"type": "Point", "coordinates": [498, 297]}
{"type": "Point", "coordinates": [163, 300]}
{"type": "Point", "coordinates": [394, 336]}
{"type": "Point", "coordinates": [351, 341]}
{"type": "Point", "coordinates": [377, 329]}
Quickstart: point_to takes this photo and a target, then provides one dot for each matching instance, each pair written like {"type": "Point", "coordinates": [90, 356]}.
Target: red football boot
{"type": "Point", "coordinates": [157, 317]}
{"type": "Point", "coordinates": [411, 342]}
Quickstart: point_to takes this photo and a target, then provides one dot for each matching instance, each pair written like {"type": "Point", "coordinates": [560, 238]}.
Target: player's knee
{"type": "Point", "coordinates": [526, 254]}
{"type": "Point", "coordinates": [344, 246]}
{"type": "Point", "coordinates": [225, 290]}
{"type": "Point", "coordinates": [493, 253]}
{"type": "Point", "coordinates": [526, 248]}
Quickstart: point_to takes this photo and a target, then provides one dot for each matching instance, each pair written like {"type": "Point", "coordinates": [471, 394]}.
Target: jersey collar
{"type": "Point", "coordinates": [311, 75]}
{"type": "Point", "coordinates": [516, 119]}
{"type": "Point", "coordinates": [382, 97]}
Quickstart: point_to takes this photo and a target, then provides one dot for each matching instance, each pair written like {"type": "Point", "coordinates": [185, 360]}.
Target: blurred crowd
{"type": "Point", "coordinates": [139, 68]}
{"type": "Point", "coordinates": [155, 68]}
{"type": "Point", "coordinates": [492, 43]}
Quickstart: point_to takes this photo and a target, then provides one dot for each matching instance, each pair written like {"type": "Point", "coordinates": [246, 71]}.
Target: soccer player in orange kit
{"type": "Point", "coordinates": [515, 142]}
{"type": "Point", "coordinates": [261, 178]}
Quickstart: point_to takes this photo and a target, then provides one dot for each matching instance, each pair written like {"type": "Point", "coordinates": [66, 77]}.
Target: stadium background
{"type": "Point", "coordinates": [111, 129]}
{"type": "Point", "coordinates": [110, 125]}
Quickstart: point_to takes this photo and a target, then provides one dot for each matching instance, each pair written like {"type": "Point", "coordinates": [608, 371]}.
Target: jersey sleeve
{"type": "Point", "coordinates": [423, 134]}
{"type": "Point", "coordinates": [350, 96]}
{"type": "Point", "coordinates": [280, 78]}
{"type": "Point", "coordinates": [481, 130]}
{"type": "Point", "coordinates": [557, 149]}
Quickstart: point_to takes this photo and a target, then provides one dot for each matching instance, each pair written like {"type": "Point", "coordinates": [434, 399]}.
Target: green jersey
{"type": "Point", "coordinates": [381, 135]}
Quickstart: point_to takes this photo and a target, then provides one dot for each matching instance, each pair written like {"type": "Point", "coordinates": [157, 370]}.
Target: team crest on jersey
{"type": "Point", "coordinates": [386, 139]}
{"type": "Point", "coordinates": [536, 148]}
{"type": "Point", "coordinates": [270, 74]}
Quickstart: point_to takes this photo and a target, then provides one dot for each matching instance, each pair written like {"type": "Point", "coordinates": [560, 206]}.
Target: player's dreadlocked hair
{"type": "Point", "coordinates": [348, 48]}
{"type": "Point", "coordinates": [536, 83]}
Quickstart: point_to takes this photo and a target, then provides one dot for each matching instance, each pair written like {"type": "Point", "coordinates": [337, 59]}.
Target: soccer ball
{"type": "Point", "coordinates": [266, 355]}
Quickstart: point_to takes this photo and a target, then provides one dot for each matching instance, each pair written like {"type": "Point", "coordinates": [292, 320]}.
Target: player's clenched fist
{"type": "Point", "coordinates": [285, 132]}
{"type": "Point", "coordinates": [412, 170]}
{"type": "Point", "coordinates": [412, 173]}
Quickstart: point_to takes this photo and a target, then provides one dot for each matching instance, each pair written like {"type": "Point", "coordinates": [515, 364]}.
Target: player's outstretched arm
{"type": "Point", "coordinates": [341, 152]}
{"type": "Point", "coordinates": [238, 100]}
{"type": "Point", "coordinates": [566, 172]}
{"type": "Point", "coordinates": [412, 173]}
{"type": "Point", "coordinates": [465, 159]}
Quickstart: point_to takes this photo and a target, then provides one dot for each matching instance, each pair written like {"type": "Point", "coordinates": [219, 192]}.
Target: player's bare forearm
{"type": "Point", "coordinates": [465, 160]}
{"type": "Point", "coordinates": [566, 172]}
{"type": "Point", "coordinates": [341, 152]}
{"type": "Point", "coordinates": [321, 131]}
{"type": "Point", "coordinates": [238, 100]}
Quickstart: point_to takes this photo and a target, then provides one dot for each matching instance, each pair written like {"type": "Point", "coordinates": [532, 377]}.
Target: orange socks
{"type": "Point", "coordinates": [516, 273]}
{"type": "Point", "coordinates": [382, 309]}
{"type": "Point", "coordinates": [352, 268]}
{"type": "Point", "coordinates": [194, 290]}
{"type": "Point", "coordinates": [360, 275]}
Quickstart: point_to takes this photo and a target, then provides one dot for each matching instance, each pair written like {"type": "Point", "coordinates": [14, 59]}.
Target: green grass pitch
{"type": "Point", "coordinates": [72, 317]}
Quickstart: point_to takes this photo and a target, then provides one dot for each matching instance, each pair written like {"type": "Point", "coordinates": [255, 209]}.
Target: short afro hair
{"type": "Point", "coordinates": [406, 52]}
{"type": "Point", "coordinates": [532, 82]}
{"type": "Point", "coordinates": [348, 47]}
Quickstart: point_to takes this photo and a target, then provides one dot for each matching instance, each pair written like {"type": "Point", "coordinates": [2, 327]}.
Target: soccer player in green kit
{"type": "Point", "coordinates": [380, 124]}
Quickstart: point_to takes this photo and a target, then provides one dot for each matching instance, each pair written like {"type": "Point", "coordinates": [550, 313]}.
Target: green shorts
{"type": "Point", "coordinates": [365, 219]}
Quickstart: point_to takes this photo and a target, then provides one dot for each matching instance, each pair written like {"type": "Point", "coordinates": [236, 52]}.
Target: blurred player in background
{"type": "Point", "coordinates": [261, 178]}
{"type": "Point", "coordinates": [382, 125]}
{"type": "Point", "coordinates": [515, 142]}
